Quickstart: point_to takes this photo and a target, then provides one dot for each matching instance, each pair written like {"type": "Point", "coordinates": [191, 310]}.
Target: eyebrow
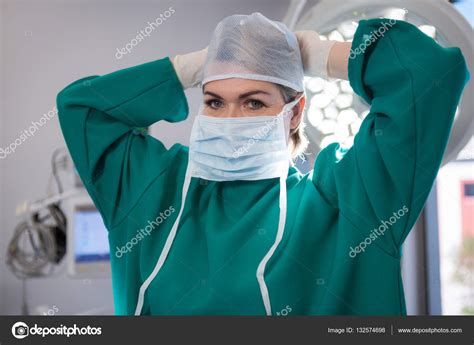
{"type": "Point", "coordinates": [242, 96]}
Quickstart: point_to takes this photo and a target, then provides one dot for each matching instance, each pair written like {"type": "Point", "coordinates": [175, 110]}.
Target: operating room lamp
{"type": "Point", "coordinates": [334, 113]}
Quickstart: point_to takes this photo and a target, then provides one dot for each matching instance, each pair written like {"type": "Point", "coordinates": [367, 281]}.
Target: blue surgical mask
{"type": "Point", "coordinates": [242, 148]}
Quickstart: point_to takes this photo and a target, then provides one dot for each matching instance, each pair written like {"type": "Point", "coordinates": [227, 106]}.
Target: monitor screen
{"type": "Point", "coordinates": [90, 236]}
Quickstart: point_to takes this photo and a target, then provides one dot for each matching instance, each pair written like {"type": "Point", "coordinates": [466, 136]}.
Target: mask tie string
{"type": "Point", "coordinates": [279, 236]}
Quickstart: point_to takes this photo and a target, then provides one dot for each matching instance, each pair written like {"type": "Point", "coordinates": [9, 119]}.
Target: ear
{"type": "Point", "coordinates": [298, 113]}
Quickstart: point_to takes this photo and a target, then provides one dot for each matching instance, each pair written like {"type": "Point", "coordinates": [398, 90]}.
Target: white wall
{"type": "Point", "coordinates": [48, 44]}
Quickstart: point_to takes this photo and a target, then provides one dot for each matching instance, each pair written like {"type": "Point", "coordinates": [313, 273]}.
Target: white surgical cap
{"type": "Point", "coordinates": [254, 47]}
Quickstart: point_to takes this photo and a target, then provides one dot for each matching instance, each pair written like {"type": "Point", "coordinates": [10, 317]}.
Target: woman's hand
{"type": "Point", "coordinates": [323, 58]}
{"type": "Point", "coordinates": [188, 67]}
{"type": "Point", "coordinates": [338, 60]}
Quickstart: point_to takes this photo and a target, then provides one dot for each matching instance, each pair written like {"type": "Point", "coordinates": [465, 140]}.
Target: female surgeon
{"type": "Point", "coordinates": [228, 225]}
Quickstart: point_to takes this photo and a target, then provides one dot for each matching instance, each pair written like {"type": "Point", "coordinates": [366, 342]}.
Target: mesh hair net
{"type": "Point", "coordinates": [254, 47]}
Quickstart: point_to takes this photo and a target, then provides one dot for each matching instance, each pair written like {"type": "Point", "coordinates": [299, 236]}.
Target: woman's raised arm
{"type": "Point", "coordinates": [413, 86]}
{"type": "Point", "coordinates": [101, 118]}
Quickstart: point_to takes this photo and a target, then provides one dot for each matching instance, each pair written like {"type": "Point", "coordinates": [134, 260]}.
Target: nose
{"type": "Point", "coordinates": [233, 110]}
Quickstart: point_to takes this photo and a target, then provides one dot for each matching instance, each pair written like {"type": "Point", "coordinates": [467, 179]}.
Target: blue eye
{"type": "Point", "coordinates": [255, 104]}
{"type": "Point", "coordinates": [214, 103]}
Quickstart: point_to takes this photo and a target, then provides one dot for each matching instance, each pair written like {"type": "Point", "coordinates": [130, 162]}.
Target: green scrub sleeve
{"type": "Point", "coordinates": [101, 118]}
{"type": "Point", "coordinates": [413, 86]}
